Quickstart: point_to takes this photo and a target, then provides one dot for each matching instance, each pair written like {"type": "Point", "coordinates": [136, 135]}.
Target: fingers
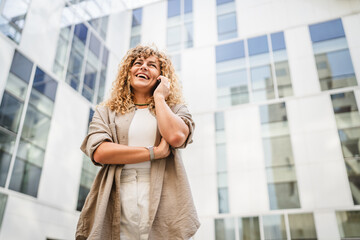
{"type": "Point", "coordinates": [165, 147]}
{"type": "Point", "coordinates": [163, 142]}
{"type": "Point", "coordinates": [163, 90]}
{"type": "Point", "coordinates": [165, 81]}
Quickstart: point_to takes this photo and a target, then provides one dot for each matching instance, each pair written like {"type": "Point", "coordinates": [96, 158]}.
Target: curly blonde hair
{"type": "Point", "coordinates": [121, 99]}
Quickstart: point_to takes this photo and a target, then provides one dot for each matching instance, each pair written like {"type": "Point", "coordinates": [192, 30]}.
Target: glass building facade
{"type": "Point", "coordinates": [82, 55]}
{"type": "Point", "coordinates": [179, 30]}
{"type": "Point", "coordinates": [221, 163]}
{"type": "Point", "coordinates": [274, 95]}
{"type": "Point", "coordinates": [333, 60]}
{"type": "Point", "coordinates": [26, 111]}
{"type": "Point", "coordinates": [256, 73]}
{"type": "Point", "coordinates": [136, 27]}
{"type": "Point", "coordinates": [348, 123]}
{"type": "Point", "coordinates": [226, 19]}
{"type": "Point", "coordinates": [279, 160]}
{"type": "Point", "coordinates": [12, 18]}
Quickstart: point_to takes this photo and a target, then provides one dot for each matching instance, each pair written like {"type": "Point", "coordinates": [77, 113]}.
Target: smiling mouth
{"type": "Point", "coordinates": [142, 76]}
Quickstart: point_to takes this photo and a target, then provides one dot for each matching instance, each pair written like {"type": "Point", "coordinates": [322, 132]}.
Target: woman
{"type": "Point", "coordinates": [141, 191]}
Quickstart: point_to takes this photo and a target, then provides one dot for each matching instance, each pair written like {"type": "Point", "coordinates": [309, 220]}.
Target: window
{"type": "Point", "coordinates": [7, 143]}
{"type": "Point", "coordinates": [302, 226]}
{"type": "Point", "coordinates": [102, 81]}
{"type": "Point", "coordinates": [347, 120]}
{"type": "Point", "coordinates": [226, 19]}
{"type": "Point", "coordinates": [221, 160]}
{"type": "Point", "coordinates": [11, 108]}
{"type": "Point", "coordinates": [269, 68]}
{"type": "Point", "coordinates": [261, 74]}
{"type": "Point", "coordinates": [77, 56]}
{"type": "Point", "coordinates": [136, 27]}
{"type": "Point", "coordinates": [249, 228]}
{"type": "Point", "coordinates": [279, 161]}
{"type": "Point", "coordinates": [225, 229]}
{"type": "Point", "coordinates": [282, 70]}
{"type": "Point", "coordinates": [88, 175]}
{"type": "Point", "coordinates": [26, 174]}
{"type": "Point", "coordinates": [100, 25]}
{"type": "Point", "coordinates": [179, 25]}
{"type": "Point", "coordinates": [274, 227]}
{"type": "Point", "coordinates": [61, 51]}
{"type": "Point", "coordinates": [91, 68]}
{"type": "Point", "coordinates": [231, 74]}
{"type": "Point", "coordinates": [12, 18]}
{"type": "Point", "coordinates": [66, 31]}
{"type": "Point", "coordinates": [348, 223]}
{"type": "Point", "coordinates": [81, 53]}
{"type": "Point", "coordinates": [179, 30]}
{"type": "Point", "coordinates": [21, 67]}
{"type": "Point", "coordinates": [332, 56]}
{"type": "Point", "coordinates": [95, 12]}
{"type": "Point", "coordinates": [3, 201]}
{"type": "Point", "coordinates": [298, 226]}
{"type": "Point", "coordinates": [27, 114]}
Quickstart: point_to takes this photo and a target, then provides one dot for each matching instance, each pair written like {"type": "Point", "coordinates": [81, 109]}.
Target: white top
{"type": "Point", "coordinates": [142, 133]}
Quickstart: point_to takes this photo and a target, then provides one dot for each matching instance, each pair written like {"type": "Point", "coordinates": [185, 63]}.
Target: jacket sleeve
{"type": "Point", "coordinates": [99, 132]}
{"type": "Point", "coordinates": [183, 112]}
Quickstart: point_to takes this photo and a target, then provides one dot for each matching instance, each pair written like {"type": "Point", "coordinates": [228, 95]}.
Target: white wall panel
{"type": "Point", "coordinates": [306, 187]}
{"type": "Point", "coordinates": [118, 34]}
{"type": "Point", "coordinates": [118, 42]}
{"type": "Point", "coordinates": [205, 32]}
{"type": "Point", "coordinates": [200, 164]}
{"type": "Point", "coordinates": [326, 225]}
{"type": "Point", "coordinates": [153, 26]}
{"type": "Point", "coordinates": [111, 74]}
{"type": "Point", "coordinates": [266, 16]}
{"type": "Point", "coordinates": [352, 31]}
{"type": "Point", "coordinates": [59, 183]}
{"type": "Point", "coordinates": [204, 192]}
{"type": "Point", "coordinates": [302, 64]}
{"type": "Point", "coordinates": [206, 230]}
{"type": "Point", "coordinates": [31, 220]}
{"type": "Point", "coordinates": [320, 168]}
{"type": "Point", "coordinates": [246, 168]}
{"type": "Point", "coordinates": [313, 130]}
{"type": "Point", "coordinates": [199, 79]}
{"type": "Point", "coordinates": [199, 157]}
{"type": "Point", "coordinates": [6, 56]}
{"type": "Point", "coordinates": [331, 186]}
{"type": "Point", "coordinates": [243, 139]}
{"type": "Point", "coordinates": [248, 192]}
{"type": "Point", "coordinates": [41, 31]}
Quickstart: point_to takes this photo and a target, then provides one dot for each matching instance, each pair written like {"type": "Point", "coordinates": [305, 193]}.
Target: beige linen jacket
{"type": "Point", "coordinates": [172, 211]}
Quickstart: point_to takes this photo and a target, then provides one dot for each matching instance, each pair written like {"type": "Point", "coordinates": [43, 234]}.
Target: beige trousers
{"type": "Point", "coordinates": [134, 191]}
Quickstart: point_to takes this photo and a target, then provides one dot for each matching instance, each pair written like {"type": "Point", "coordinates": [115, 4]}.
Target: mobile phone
{"type": "Point", "coordinates": [157, 83]}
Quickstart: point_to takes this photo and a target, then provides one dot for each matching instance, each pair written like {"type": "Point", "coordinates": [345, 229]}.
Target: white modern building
{"type": "Point", "coordinates": [273, 86]}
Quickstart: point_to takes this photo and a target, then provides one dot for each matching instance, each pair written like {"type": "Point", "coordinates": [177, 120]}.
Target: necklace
{"type": "Point", "coordinates": [141, 104]}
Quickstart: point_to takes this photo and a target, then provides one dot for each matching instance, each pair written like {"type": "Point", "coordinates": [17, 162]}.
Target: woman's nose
{"type": "Point", "coordinates": [143, 66]}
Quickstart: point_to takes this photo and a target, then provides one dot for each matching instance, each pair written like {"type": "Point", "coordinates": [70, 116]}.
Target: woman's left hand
{"type": "Point", "coordinates": [163, 90]}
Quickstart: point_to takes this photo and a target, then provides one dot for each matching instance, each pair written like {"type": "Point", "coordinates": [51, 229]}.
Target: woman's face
{"type": "Point", "coordinates": [144, 73]}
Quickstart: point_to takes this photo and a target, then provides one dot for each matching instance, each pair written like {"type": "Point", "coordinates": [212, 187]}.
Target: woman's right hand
{"type": "Point", "coordinates": [162, 150]}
